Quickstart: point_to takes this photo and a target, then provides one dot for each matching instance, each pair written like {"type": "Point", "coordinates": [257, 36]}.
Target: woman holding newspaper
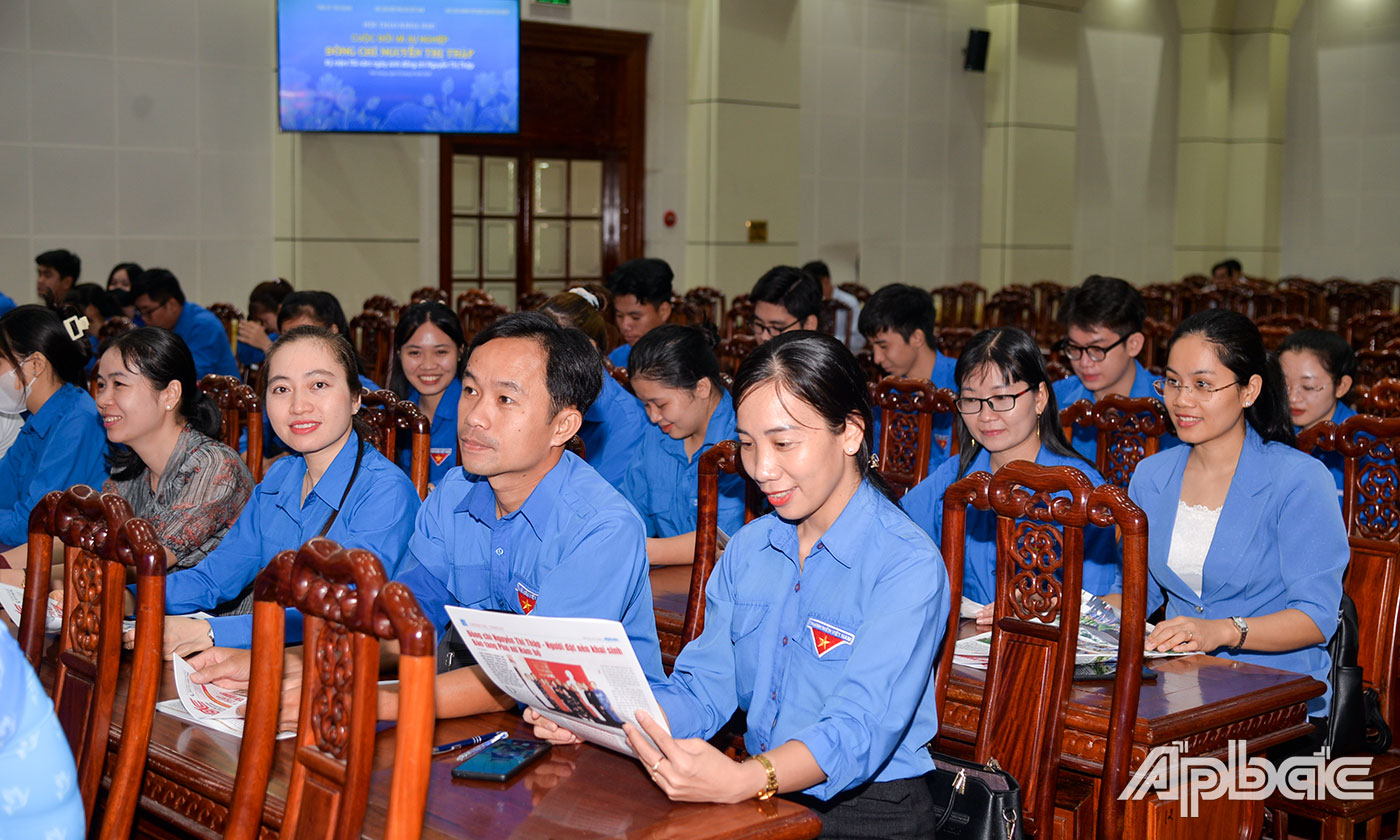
{"type": "Point", "coordinates": [822, 619]}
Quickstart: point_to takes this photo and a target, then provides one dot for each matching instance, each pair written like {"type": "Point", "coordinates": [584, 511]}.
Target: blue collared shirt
{"type": "Point", "coordinates": [940, 377]}
{"type": "Point", "coordinates": [442, 440]}
{"type": "Point", "coordinates": [60, 445]}
{"type": "Point", "coordinates": [1334, 460]}
{"type": "Point", "coordinates": [924, 504]}
{"type": "Point", "coordinates": [377, 515]}
{"type": "Point", "coordinates": [248, 355]}
{"type": "Point", "coordinates": [612, 430]}
{"type": "Point", "coordinates": [837, 651]}
{"type": "Point", "coordinates": [1086, 438]}
{"type": "Point", "coordinates": [575, 548]}
{"type": "Point", "coordinates": [1280, 545]}
{"type": "Point", "coordinates": [664, 485]}
{"type": "Point", "coordinates": [620, 355]}
{"type": "Point", "coordinates": [207, 339]}
{"type": "Point", "coordinates": [6, 303]}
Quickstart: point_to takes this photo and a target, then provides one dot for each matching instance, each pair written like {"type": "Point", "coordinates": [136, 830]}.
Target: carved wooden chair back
{"type": "Point", "coordinates": [348, 607]}
{"type": "Point", "coordinates": [101, 539]}
{"type": "Point", "coordinates": [576, 445]}
{"type": "Point", "coordinates": [477, 316]}
{"type": "Point", "coordinates": [856, 290]}
{"type": "Point", "coordinates": [732, 351]}
{"type": "Point", "coordinates": [372, 333]}
{"type": "Point", "coordinates": [1375, 365]}
{"type": "Point", "coordinates": [831, 317]}
{"type": "Point", "coordinates": [907, 409]}
{"type": "Point", "coordinates": [530, 300]}
{"type": "Point", "coordinates": [229, 316]}
{"type": "Point", "coordinates": [723, 457]}
{"type": "Point", "coordinates": [711, 300]}
{"type": "Point", "coordinates": [387, 415]}
{"type": "Point", "coordinates": [241, 411]}
{"type": "Point", "coordinates": [384, 305]}
{"type": "Point", "coordinates": [1041, 516]}
{"type": "Point", "coordinates": [471, 297]}
{"type": "Point", "coordinates": [952, 340]}
{"type": "Point", "coordinates": [427, 293]}
{"type": "Point", "coordinates": [1128, 429]}
{"type": "Point", "coordinates": [738, 318]}
{"type": "Point", "coordinates": [1381, 398]}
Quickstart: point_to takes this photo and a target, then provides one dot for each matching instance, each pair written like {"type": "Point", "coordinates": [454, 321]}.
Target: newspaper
{"type": "Point", "coordinates": [12, 598]}
{"type": "Point", "coordinates": [1098, 640]}
{"type": "Point", "coordinates": [207, 705]}
{"type": "Point", "coordinates": [580, 673]}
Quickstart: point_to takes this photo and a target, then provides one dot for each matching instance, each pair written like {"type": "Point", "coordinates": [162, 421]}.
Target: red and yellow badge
{"type": "Point", "coordinates": [527, 598]}
{"type": "Point", "coordinates": [828, 637]}
{"type": "Point", "coordinates": [439, 454]}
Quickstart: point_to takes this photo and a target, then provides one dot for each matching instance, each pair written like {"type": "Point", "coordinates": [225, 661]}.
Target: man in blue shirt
{"type": "Point", "coordinates": [56, 273]}
{"type": "Point", "coordinates": [1103, 321]}
{"type": "Point", "coordinates": [784, 298]}
{"type": "Point", "coordinates": [898, 323]}
{"type": "Point", "coordinates": [641, 291]}
{"type": "Point", "coordinates": [524, 525]}
{"type": "Point", "coordinates": [161, 303]}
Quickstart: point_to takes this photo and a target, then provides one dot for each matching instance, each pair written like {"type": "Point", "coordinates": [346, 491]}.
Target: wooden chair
{"type": "Point", "coordinates": [230, 316]}
{"type": "Point", "coordinates": [1381, 398]}
{"type": "Point", "coordinates": [387, 415]}
{"type": "Point", "coordinates": [1375, 365]}
{"type": "Point", "coordinates": [722, 457]}
{"type": "Point", "coordinates": [477, 316]}
{"type": "Point", "coordinates": [830, 317]}
{"type": "Point", "coordinates": [241, 410]}
{"type": "Point", "coordinates": [348, 608]}
{"type": "Point", "coordinates": [427, 293]}
{"type": "Point", "coordinates": [1369, 447]}
{"type": "Point", "coordinates": [372, 334]}
{"type": "Point", "coordinates": [738, 318]}
{"type": "Point", "coordinates": [687, 313]}
{"type": "Point", "coordinates": [952, 340]}
{"type": "Point", "coordinates": [732, 352]}
{"type": "Point", "coordinates": [530, 300]}
{"type": "Point", "coordinates": [384, 305]}
{"type": "Point", "coordinates": [619, 374]}
{"type": "Point", "coordinates": [1031, 660]}
{"type": "Point", "coordinates": [711, 300]}
{"type": "Point", "coordinates": [1128, 428]}
{"type": "Point", "coordinates": [907, 408]}
{"type": "Point", "coordinates": [857, 291]}
{"type": "Point", "coordinates": [471, 297]}
{"type": "Point", "coordinates": [113, 327]}
{"type": "Point", "coordinates": [101, 539]}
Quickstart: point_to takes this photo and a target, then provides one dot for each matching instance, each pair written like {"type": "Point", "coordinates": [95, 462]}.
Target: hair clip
{"type": "Point", "coordinates": [874, 461]}
{"type": "Point", "coordinates": [586, 295]}
{"type": "Point", "coordinates": [76, 326]}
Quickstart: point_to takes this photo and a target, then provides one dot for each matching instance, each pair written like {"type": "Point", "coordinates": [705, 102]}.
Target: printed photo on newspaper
{"type": "Point", "coordinates": [207, 705]}
{"type": "Point", "coordinates": [580, 673]}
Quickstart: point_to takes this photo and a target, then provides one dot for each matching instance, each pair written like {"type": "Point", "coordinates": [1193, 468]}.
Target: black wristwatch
{"type": "Point", "coordinates": [1243, 627]}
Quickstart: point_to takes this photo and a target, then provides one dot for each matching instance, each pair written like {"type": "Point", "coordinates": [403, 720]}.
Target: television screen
{"type": "Point", "coordinates": [433, 66]}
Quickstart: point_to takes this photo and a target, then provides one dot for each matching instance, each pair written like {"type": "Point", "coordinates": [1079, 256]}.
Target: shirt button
{"type": "Point", "coordinates": [775, 695]}
{"type": "Point", "coordinates": [500, 551]}
{"type": "Point", "coordinates": [798, 587]}
{"type": "Point", "coordinates": [1200, 609]}
{"type": "Point", "coordinates": [785, 640]}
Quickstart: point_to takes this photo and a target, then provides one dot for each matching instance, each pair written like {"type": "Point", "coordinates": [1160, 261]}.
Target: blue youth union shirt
{"type": "Point", "coordinates": [574, 549]}
{"type": "Point", "coordinates": [60, 445]}
{"type": "Point", "coordinates": [612, 430]}
{"type": "Point", "coordinates": [924, 504]}
{"type": "Point", "coordinates": [442, 440]}
{"type": "Point", "coordinates": [838, 652]}
{"type": "Point", "coordinates": [664, 485]}
{"type": "Point", "coordinates": [377, 515]}
{"type": "Point", "coordinates": [1086, 439]}
{"type": "Point", "coordinates": [208, 341]}
{"type": "Point", "coordinates": [940, 377]}
{"type": "Point", "coordinates": [620, 355]}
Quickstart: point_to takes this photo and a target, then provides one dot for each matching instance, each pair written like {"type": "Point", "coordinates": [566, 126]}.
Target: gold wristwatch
{"type": "Point", "coordinates": [770, 787]}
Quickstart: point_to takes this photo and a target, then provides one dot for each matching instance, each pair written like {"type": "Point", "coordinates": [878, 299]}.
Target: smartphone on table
{"type": "Point", "coordinates": [501, 760]}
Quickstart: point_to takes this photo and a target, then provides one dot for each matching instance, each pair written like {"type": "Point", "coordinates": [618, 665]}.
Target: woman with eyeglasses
{"type": "Point", "coordinates": [1006, 412]}
{"type": "Point", "coordinates": [1247, 549]}
{"type": "Point", "coordinates": [676, 376]}
{"type": "Point", "coordinates": [1318, 367]}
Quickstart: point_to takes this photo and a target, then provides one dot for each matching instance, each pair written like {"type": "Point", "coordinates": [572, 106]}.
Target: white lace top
{"type": "Point", "coordinates": [1191, 538]}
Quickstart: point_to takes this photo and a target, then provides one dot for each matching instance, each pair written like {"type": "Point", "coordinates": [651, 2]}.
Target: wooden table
{"type": "Point", "coordinates": [1204, 701]}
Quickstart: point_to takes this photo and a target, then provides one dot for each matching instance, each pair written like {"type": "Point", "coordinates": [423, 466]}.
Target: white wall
{"type": "Point", "coordinates": [138, 130]}
{"type": "Point", "coordinates": [1125, 161]}
{"type": "Point", "coordinates": [891, 140]}
{"type": "Point", "coordinates": [1341, 156]}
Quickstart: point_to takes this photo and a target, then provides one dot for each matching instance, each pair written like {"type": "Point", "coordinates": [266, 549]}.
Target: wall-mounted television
{"type": "Point", "coordinates": [430, 66]}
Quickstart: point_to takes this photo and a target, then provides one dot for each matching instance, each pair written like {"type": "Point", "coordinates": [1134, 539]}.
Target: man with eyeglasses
{"type": "Point", "coordinates": [1103, 335]}
{"type": "Point", "coordinates": [784, 299]}
{"type": "Point", "coordinates": [161, 302]}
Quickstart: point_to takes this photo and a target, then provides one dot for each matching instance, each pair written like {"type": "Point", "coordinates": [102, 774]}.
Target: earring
{"type": "Point", "coordinates": [850, 452]}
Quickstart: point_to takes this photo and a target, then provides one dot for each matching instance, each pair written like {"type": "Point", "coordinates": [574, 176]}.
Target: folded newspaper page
{"type": "Point", "coordinates": [580, 673]}
{"type": "Point", "coordinates": [12, 599]}
{"type": "Point", "coordinates": [207, 705]}
{"type": "Point", "coordinates": [1098, 641]}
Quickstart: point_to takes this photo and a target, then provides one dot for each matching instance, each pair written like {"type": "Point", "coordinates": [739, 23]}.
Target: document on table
{"type": "Point", "coordinates": [12, 598]}
{"type": "Point", "coordinates": [207, 705]}
{"type": "Point", "coordinates": [580, 673]}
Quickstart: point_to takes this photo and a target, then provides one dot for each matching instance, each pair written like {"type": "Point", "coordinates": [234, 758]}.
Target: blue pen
{"type": "Point", "coordinates": [482, 746]}
{"type": "Point", "coordinates": [474, 741]}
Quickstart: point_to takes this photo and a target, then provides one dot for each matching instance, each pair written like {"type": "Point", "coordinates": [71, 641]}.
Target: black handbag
{"type": "Point", "coordinates": [1354, 723]}
{"type": "Point", "coordinates": [972, 801]}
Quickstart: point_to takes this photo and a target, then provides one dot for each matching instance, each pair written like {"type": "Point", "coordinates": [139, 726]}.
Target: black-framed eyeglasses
{"type": "Point", "coordinates": [996, 402]}
{"type": "Point", "coordinates": [1095, 352]}
{"type": "Point", "coordinates": [760, 328]}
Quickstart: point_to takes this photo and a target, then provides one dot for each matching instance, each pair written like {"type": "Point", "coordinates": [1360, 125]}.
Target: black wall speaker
{"type": "Point", "coordinates": [975, 54]}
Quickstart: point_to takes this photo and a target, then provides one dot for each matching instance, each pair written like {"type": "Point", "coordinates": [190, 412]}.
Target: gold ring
{"type": "Point", "coordinates": [656, 765]}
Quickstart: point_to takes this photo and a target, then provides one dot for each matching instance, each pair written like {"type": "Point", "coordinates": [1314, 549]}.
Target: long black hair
{"type": "Point", "coordinates": [322, 307]}
{"type": "Point", "coordinates": [32, 328]}
{"type": "Point", "coordinates": [677, 356]}
{"type": "Point", "coordinates": [1240, 347]}
{"type": "Point", "coordinates": [821, 372]}
{"type": "Point", "coordinates": [415, 316]}
{"type": "Point", "coordinates": [1016, 356]}
{"type": "Point", "coordinates": [161, 357]}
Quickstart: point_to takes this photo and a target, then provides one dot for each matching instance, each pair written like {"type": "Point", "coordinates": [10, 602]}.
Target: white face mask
{"type": "Point", "coordinates": [13, 398]}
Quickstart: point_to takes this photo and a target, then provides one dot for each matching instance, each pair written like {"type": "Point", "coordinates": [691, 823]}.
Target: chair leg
{"type": "Point", "coordinates": [1280, 824]}
{"type": "Point", "coordinates": [1337, 828]}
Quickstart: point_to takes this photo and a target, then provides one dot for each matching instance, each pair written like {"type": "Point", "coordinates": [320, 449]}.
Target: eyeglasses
{"type": "Point", "coordinates": [1308, 390]}
{"type": "Point", "coordinates": [1095, 352]}
{"type": "Point", "coordinates": [996, 402]}
{"type": "Point", "coordinates": [1200, 390]}
{"type": "Point", "coordinates": [760, 328]}
{"type": "Point", "coordinates": [147, 310]}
